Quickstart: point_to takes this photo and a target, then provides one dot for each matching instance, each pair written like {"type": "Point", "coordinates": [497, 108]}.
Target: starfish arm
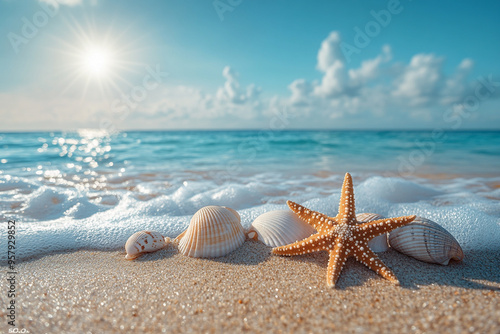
{"type": "Point", "coordinates": [347, 210]}
{"type": "Point", "coordinates": [313, 218]}
{"type": "Point", "coordinates": [336, 262]}
{"type": "Point", "coordinates": [308, 245]}
{"type": "Point", "coordinates": [372, 261]}
{"type": "Point", "coordinates": [381, 226]}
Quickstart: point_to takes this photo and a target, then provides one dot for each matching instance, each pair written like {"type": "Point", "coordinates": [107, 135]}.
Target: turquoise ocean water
{"type": "Point", "coordinates": [90, 189]}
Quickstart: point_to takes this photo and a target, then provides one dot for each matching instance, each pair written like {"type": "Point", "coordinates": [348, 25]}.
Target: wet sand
{"type": "Point", "coordinates": [251, 290]}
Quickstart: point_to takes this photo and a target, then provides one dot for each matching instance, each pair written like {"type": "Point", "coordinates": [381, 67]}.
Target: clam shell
{"type": "Point", "coordinates": [377, 244]}
{"type": "Point", "coordinates": [213, 231]}
{"type": "Point", "coordinates": [278, 228]}
{"type": "Point", "coordinates": [426, 241]}
{"type": "Point", "coordinates": [144, 242]}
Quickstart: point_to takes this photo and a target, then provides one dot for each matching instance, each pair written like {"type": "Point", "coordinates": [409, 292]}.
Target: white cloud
{"type": "Point", "coordinates": [337, 80]}
{"type": "Point", "coordinates": [370, 69]}
{"type": "Point", "coordinates": [421, 81]}
{"type": "Point", "coordinates": [231, 91]}
{"type": "Point", "coordinates": [378, 87]}
{"type": "Point", "coordinates": [331, 63]}
{"type": "Point", "coordinates": [57, 3]}
{"type": "Point", "coordinates": [330, 52]}
{"type": "Point", "coordinates": [455, 86]}
{"type": "Point", "coordinates": [334, 82]}
{"type": "Point", "coordinates": [301, 89]}
{"type": "Point", "coordinates": [466, 64]}
{"type": "Point", "coordinates": [189, 105]}
{"type": "Point", "coordinates": [378, 93]}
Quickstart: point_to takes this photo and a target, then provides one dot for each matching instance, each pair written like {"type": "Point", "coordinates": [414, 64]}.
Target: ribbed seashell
{"type": "Point", "coordinates": [378, 244]}
{"type": "Point", "coordinates": [426, 241]}
{"type": "Point", "coordinates": [144, 242]}
{"type": "Point", "coordinates": [279, 228]}
{"type": "Point", "coordinates": [213, 231]}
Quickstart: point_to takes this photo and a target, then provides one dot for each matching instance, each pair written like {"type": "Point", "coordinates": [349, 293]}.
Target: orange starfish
{"type": "Point", "coordinates": [342, 236]}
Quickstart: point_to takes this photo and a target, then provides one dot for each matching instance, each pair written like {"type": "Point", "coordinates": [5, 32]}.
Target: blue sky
{"type": "Point", "coordinates": [186, 64]}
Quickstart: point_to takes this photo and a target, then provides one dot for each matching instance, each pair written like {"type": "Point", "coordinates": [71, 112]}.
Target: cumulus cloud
{"type": "Point", "coordinates": [334, 81]}
{"type": "Point", "coordinates": [183, 104]}
{"type": "Point", "coordinates": [455, 86]}
{"type": "Point", "coordinates": [57, 3]}
{"type": "Point", "coordinates": [329, 53]}
{"type": "Point", "coordinates": [301, 89]}
{"type": "Point", "coordinates": [378, 93]}
{"type": "Point", "coordinates": [421, 81]}
{"type": "Point", "coordinates": [378, 85]}
{"type": "Point", "coordinates": [231, 91]}
{"type": "Point", "coordinates": [370, 69]}
{"type": "Point", "coordinates": [337, 80]}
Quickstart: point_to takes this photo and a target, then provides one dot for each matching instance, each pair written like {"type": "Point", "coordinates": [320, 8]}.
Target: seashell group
{"type": "Point", "coordinates": [278, 228]}
{"type": "Point", "coordinates": [144, 242]}
{"type": "Point", "coordinates": [377, 244]}
{"type": "Point", "coordinates": [213, 231]}
{"type": "Point", "coordinates": [216, 231]}
{"type": "Point", "coordinates": [426, 241]}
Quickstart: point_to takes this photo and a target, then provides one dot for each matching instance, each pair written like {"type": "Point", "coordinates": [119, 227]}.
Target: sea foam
{"type": "Point", "coordinates": [58, 218]}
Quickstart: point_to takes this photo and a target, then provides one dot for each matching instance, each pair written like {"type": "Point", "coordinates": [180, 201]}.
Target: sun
{"type": "Point", "coordinates": [97, 61]}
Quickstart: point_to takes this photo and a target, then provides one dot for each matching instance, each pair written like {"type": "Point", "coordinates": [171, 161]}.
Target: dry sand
{"type": "Point", "coordinates": [251, 290]}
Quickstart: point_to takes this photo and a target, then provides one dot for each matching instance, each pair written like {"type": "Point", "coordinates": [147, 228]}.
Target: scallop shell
{"type": "Point", "coordinates": [213, 231]}
{"type": "Point", "coordinates": [426, 241]}
{"type": "Point", "coordinates": [378, 244]}
{"type": "Point", "coordinates": [144, 242]}
{"type": "Point", "coordinates": [278, 228]}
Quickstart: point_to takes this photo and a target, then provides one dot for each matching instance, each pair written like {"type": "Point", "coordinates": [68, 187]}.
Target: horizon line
{"type": "Point", "coordinates": [260, 129]}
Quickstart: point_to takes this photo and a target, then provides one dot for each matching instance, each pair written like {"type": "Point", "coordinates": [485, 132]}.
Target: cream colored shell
{"type": "Point", "coordinates": [279, 228]}
{"type": "Point", "coordinates": [144, 242]}
{"type": "Point", "coordinates": [377, 244]}
{"type": "Point", "coordinates": [213, 231]}
{"type": "Point", "coordinates": [426, 241]}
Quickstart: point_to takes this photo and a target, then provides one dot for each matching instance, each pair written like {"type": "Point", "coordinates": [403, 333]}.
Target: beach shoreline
{"type": "Point", "coordinates": [251, 290]}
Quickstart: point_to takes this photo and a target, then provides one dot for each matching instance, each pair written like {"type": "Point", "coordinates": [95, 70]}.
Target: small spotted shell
{"type": "Point", "coordinates": [279, 228]}
{"type": "Point", "coordinates": [144, 242]}
{"type": "Point", "coordinates": [377, 244]}
{"type": "Point", "coordinates": [213, 231]}
{"type": "Point", "coordinates": [426, 241]}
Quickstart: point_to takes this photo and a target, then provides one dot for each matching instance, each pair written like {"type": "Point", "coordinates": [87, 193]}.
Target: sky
{"type": "Point", "coordinates": [241, 64]}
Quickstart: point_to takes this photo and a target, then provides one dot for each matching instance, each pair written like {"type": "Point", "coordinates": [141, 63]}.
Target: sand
{"type": "Point", "coordinates": [251, 290]}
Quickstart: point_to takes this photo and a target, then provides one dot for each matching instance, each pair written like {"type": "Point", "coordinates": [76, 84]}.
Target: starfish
{"type": "Point", "coordinates": [343, 236]}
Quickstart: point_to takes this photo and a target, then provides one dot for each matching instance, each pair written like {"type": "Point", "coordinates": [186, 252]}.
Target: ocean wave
{"type": "Point", "coordinates": [89, 189]}
{"type": "Point", "coordinates": [54, 218]}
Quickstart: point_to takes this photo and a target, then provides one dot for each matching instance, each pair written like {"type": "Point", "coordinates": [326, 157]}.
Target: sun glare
{"type": "Point", "coordinates": [97, 61]}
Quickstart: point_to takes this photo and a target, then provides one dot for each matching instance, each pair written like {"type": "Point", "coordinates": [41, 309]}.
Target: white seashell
{"type": "Point", "coordinates": [144, 242]}
{"type": "Point", "coordinates": [213, 231]}
{"type": "Point", "coordinates": [378, 244]}
{"type": "Point", "coordinates": [426, 241]}
{"type": "Point", "coordinates": [279, 228]}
